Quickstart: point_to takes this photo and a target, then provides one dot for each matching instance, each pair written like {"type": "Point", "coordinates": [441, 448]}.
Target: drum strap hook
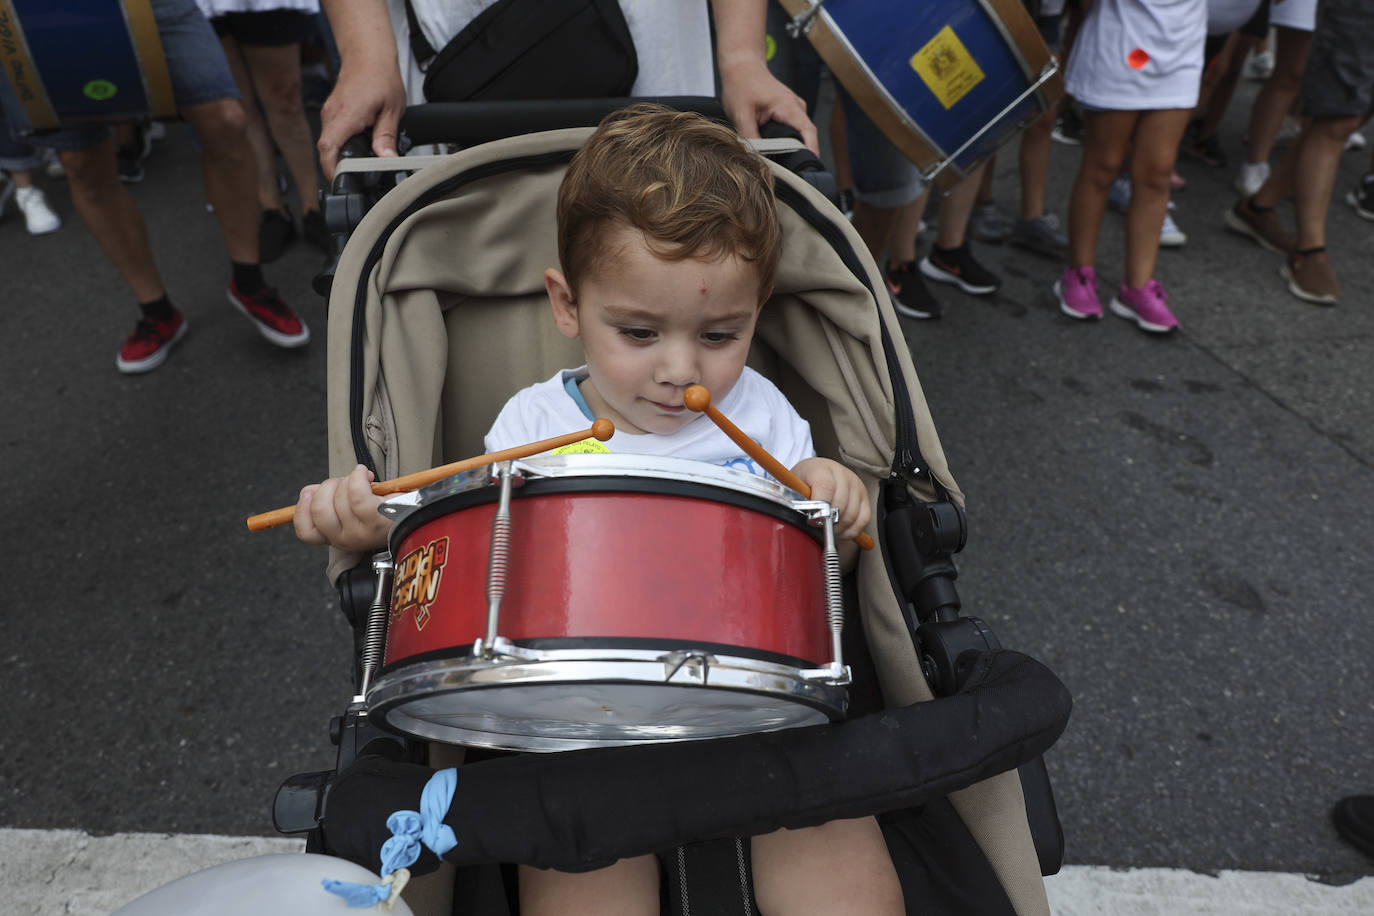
{"type": "Point", "coordinates": [802, 22]}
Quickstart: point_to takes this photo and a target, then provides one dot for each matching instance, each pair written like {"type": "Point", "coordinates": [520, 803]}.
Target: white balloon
{"type": "Point", "coordinates": [284, 884]}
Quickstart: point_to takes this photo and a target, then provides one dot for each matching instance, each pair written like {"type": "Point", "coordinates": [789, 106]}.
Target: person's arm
{"type": "Point", "coordinates": [369, 91]}
{"type": "Point", "coordinates": [751, 95]}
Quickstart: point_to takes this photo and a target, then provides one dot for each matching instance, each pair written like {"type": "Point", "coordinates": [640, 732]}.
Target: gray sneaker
{"type": "Point", "coordinates": [988, 224]}
{"type": "Point", "coordinates": [1041, 235]}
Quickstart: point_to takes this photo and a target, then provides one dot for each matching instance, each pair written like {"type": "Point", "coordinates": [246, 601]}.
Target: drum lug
{"type": "Point", "coordinates": [698, 664]}
{"type": "Point", "coordinates": [501, 647]}
{"type": "Point", "coordinates": [833, 673]}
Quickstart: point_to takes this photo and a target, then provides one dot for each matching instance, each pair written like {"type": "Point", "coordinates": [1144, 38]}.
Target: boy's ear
{"type": "Point", "coordinates": [561, 300]}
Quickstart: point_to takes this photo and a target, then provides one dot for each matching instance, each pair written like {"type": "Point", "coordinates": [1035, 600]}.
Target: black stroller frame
{"type": "Point", "coordinates": [942, 867]}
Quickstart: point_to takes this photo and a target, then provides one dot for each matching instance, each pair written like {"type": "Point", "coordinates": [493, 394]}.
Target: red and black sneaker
{"type": "Point", "coordinates": [148, 345]}
{"type": "Point", "coordinates": [271, 316]}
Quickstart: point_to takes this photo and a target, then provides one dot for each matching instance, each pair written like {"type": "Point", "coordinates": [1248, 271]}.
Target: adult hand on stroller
{"type": "Point", "coordinates": [369, 91]}
{"type": "Point", "coordinates": [342, 512]}
{"type": "Point", "coordinates": [751, 95]}
{"type": "Point", "coordinates": [842, 488]}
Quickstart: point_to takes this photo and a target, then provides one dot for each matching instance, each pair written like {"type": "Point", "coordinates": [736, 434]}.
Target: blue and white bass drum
{"type": "Point", "coordinates": [76, 62]}
{"type": "Point", "coordinates": [947, 81]}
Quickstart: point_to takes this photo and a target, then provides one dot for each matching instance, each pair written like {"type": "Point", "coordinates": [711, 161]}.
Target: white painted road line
{"type": "Point", "coordinates": [71, 873]}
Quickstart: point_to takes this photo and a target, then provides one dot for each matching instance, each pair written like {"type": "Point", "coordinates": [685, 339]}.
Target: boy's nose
{"type": "Point", "coordinates": [677, 367]}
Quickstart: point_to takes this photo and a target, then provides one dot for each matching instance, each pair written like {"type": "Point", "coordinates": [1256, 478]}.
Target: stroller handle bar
{"type": "Point", "coordinates": [697, 398]}
{"type": "Point", "coordinates": [602, 429]}
{"type": "Point", "coordinates": [471, 123]}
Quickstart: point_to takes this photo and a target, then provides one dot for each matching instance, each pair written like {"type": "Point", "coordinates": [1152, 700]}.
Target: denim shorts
{"type": "Point", "coordinates": [195, 62]}
{"type": "Point", "coordinates": [883, 176]}
{"type": "Point", "coordinates": [16, 155]}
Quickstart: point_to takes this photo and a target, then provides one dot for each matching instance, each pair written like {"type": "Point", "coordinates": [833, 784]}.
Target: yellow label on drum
{"type": "Point", "coordinates": [947, 68]}
{"type": "Point", "coordinates": [585, 447]}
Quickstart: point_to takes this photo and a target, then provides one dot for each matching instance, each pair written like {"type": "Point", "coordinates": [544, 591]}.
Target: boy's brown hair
{"type": "Point", "coordinates": [689, 184]}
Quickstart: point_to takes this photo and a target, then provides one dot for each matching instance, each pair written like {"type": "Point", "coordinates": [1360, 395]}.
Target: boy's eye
{"type": "Point", "coordinates": [720, 336]}
{"type": "Point", "coordinates": [638, 333]}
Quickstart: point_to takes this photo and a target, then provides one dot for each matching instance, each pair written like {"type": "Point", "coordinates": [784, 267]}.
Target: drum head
{"type": "Point", "coordinates": [570, 699]}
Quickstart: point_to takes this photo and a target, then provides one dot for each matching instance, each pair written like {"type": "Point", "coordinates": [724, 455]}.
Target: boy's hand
{"type": "Point", "coordinates": [342, 512]}
{"type": "Point", "coordinates": [841, 487]}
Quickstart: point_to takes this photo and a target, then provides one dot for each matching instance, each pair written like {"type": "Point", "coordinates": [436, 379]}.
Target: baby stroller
{"type": "Point", "coordinates": [438, 315]}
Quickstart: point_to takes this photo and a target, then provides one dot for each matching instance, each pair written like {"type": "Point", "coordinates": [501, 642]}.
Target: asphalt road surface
{"type": "Point", "coordinates": [1181, 528]}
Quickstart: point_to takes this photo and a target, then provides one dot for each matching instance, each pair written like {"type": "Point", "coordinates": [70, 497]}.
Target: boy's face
{"type": "Point", "coordinates": [650, 328]}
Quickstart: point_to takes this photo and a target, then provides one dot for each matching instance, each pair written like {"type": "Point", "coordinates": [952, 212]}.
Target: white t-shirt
{"type": "Point", "coordinates": [1163, 37]}
{"type": "Point", "coordinates": [755, 405]}
{"type": "Point", "coordinates": [1225, 16]}
{"type": "Point", "coordinates": [672, 42]}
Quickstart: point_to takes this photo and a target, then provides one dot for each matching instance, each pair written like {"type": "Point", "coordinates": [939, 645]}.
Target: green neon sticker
{"type": "Point", "coordinates": [770, 47]}
{"type": "Point", "coordinates": [100, 90]}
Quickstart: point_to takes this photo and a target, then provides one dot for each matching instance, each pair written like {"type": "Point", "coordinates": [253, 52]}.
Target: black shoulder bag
{"type": "Point", "coordinates": [520, 50]}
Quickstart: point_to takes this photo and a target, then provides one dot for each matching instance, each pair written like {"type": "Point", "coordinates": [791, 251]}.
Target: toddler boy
{"type": "Point", "coordinates": [669, 242]}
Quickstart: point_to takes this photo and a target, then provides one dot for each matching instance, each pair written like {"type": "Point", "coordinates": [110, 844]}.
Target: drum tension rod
{"type": "Point", "coordinates": [496, 567]}
{"type": "Point", "coordinates": [837, 672]}
{"type": "Point", "coordinates": [375, 637]}
{"type": "Point", "coordinates": [1046, 72]}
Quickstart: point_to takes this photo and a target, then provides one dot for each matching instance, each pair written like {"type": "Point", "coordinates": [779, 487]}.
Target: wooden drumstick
{"type": "Point", "coordinates": [602, 429]}
{"type": "Point", "coordinates": [699, 399]}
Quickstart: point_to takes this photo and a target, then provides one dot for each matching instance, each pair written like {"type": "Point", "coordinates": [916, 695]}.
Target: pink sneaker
{"type": "Point", "coordinates": [1077, 293]}
{"type": "Point", "coordinates": [1147, 307]}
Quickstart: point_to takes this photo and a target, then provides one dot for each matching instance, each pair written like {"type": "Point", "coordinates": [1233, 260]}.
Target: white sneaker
{"type": "Point", "coordinates": [1260, 66]}
{"type": "Point", "coordinates": [1252, 177]}
{"type": "Point", "coordinates": [37, 216]}
{"type": "Point", "coordinates": [1170, 236]}
{"type": "Point", "coordinates": [1355, 141]}
{"type": "Point", "coordinates": [1288, 130]}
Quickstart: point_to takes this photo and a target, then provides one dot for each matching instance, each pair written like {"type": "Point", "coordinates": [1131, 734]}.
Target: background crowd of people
{"type": "Point", "coordinates": [237, 70]}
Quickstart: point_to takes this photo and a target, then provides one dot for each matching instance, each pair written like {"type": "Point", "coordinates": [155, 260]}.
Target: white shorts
{"type": "Point", "coordinates": [1294, 14]}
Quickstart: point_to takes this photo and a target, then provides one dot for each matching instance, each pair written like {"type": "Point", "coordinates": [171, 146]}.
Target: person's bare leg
{"type": "Point", "coordinates": [1278, 93]}
{"type": "Point", "coordinates": [1226, 81]}
{"type": "Point", "coordinates": [627, 888]}
{"type": "Point", "coordinates": [277, 78]}
{"type": "Point", "coordinates": [1033, 163]}
{"type": "Point", "coordinates": [1157, 137]}
{"type": "Point", "coordinates": [269, 194]}
{"type": "Point", "coordinates": [112, 217]}
{"type": "Point", "coordinates": [984, 194]}
{"type": "Point", "coordinates": [839, 867]}
{"type": "Point", "coordinates": [875, 225]}
{"type": "Point", "coordinates": [1318, 162]}
{"type": "Point", "coordinates": [839, 146]}
{"type": "Point", "coordinates": [22, 178]}
{"type": "Point", "coordinates": [1281, 181]}
{"type": "Point", "coordinates": [230, 174]}
{"type": "Point", "coordinates": [902, 245]}
{"type": "Point", "coordinates": [1106, 137]}
{"type": "Point", "coordinates": [956, 208]}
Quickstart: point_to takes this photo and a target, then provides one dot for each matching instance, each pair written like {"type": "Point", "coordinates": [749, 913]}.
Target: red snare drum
{"type": "Point", "coordinates": [645, 599]}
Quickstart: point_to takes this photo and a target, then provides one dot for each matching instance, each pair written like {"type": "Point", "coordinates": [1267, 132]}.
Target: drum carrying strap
{"type": "Point", "coordinates": [581, 810]}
